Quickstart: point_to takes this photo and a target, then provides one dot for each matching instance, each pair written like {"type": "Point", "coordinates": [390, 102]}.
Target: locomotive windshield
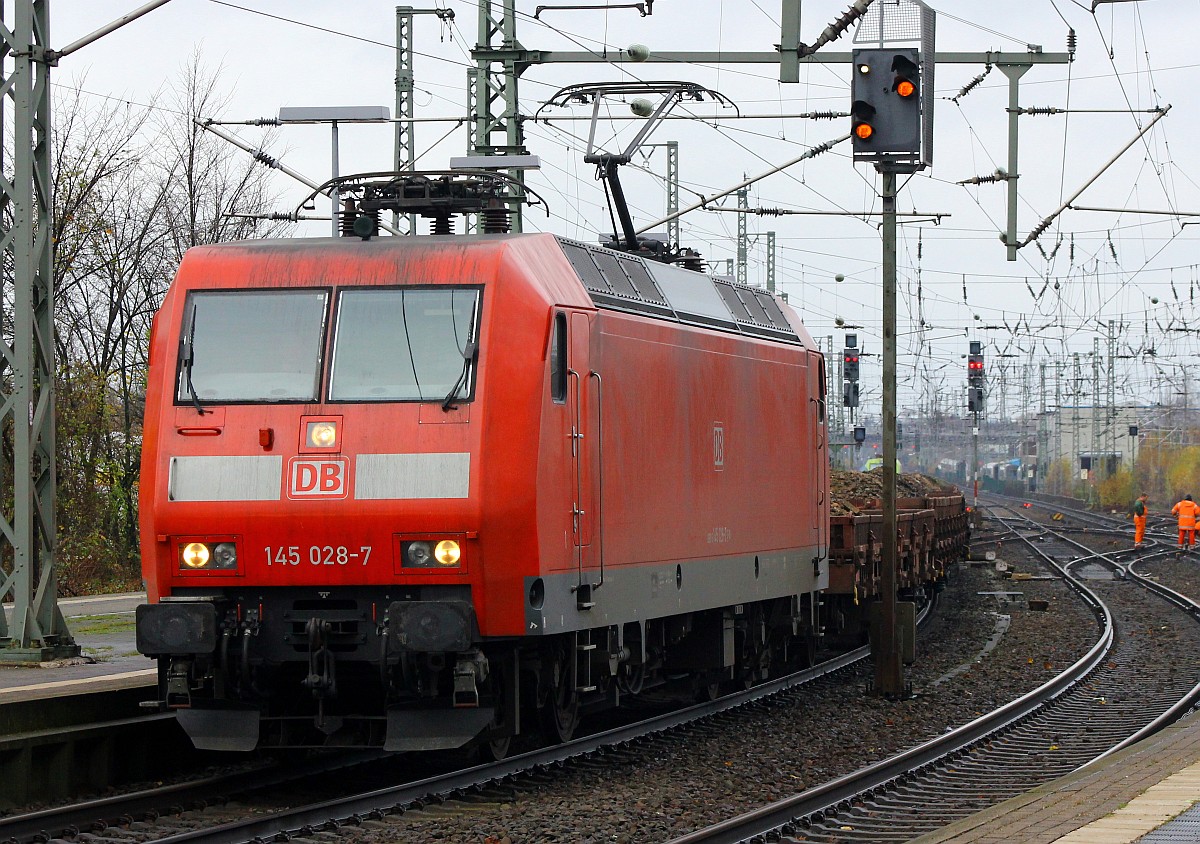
{"type": "Point", "coordinates": [404, 344]}
{"type": "Point", "coordinates": [251, 345]}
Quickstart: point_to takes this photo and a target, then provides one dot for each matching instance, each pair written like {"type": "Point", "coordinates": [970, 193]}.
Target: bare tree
{"type": "Point", "coordinates": [135, 187]}
{"type": "Point", "coordinates": [214, 189]}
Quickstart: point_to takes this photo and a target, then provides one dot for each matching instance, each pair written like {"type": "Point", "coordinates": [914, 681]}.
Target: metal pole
{"type": "Point", "coordinates": [1043, 434]}
{"type": "Point", "coordinates": [1095, 446]}
{"type": "Point", "coordinates": [1014, 74]}
{"type": "Point", "coordinates": [1111, 430]}
{"type": "Point", "coordinates": [406, 143]}
{"type": "Point", "coordinates": [771, 262]}
{"type": "Point", "coordinates": [493, 82]}
{"type": "Point", "coordinates": [743, 200]}
{"type": "Point", "coordinates": [405, 131]}
{"type": "Point", "coordinates": [975, 462]}
{"type": "Point", "coordinates": [38, 631]}
{"type": "Point", "coordinates": [889, 669]}
{"type": "Point", "coordinates": [673, 193]}
{"type": "Point", "coordinates": [334, 194]}
{"type": "Point", "coordinates": [1074, 415]}
{"type": "Point", "coordinates": [105, 30]}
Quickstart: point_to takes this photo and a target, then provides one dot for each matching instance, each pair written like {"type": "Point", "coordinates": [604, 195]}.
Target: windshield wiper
{"type": "Point", "coordinates": [470, 353]}
{"type": "Point", "coordinates": [187, 356]}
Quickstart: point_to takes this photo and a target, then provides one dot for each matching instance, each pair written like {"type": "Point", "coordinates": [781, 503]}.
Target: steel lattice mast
{"type": "Point", "coordinates": [38, 630]}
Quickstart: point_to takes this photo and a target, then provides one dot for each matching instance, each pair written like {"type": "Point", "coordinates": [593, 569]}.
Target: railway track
{"type": "Point", "coordinates": [374, 812]}
{"type": "Point", "coordinates": [228, 808]}
{"type": "Point", "coordinates": [1083, 715]}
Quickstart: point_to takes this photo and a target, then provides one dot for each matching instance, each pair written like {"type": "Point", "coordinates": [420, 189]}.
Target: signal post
{"type": "Point", "coordinates": [892, 128]}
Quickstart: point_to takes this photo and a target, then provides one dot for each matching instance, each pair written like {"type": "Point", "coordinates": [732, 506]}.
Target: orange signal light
{"type": "Point", "coordinates": [905, 88]}
{"type": "Point", "coordinates": [864, 131]}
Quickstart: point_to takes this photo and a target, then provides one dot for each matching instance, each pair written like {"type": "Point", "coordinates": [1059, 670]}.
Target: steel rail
{"type": "Point", "coordinates": [51, 823]}
{"type": "Point", "coordinates": [784, 815]}
{"type": "Point", "coordinates": [1189, 606]}
{"type": "Point", "coordinates": [46, 824]}
{"type": "Point", "coordinates": [332, 814]}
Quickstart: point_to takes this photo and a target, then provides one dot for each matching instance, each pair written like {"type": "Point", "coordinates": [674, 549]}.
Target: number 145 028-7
{"type": "Point", "coordinates": [317, 555]}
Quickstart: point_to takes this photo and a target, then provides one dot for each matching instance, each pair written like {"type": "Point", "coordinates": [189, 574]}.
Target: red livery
{"type": "Point", "coordinates": [412, 491]}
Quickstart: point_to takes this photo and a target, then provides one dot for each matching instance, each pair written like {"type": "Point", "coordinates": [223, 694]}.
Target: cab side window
{"type": "Point", "coordinates": [558, 360]}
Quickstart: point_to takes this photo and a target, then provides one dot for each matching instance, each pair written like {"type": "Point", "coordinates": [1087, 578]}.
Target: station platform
{"type": "Point", "coordinates": [1146, 793]}
{"type": "Point", "coordinates": [103, 626]}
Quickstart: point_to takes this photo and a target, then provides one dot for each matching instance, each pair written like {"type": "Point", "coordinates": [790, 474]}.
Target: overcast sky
{"type": "Point", "coordinates": [1092, 267]}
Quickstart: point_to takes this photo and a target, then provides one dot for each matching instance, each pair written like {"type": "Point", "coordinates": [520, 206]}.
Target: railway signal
{"type": "Point", "coordinates": [975, 362]}
{"type": "Point", "coordinates": [850, 371]}
{"type": "Point", "coordinates": [975, 377]}
{"type": "Point", "coordinates": [975, 399]}
{"type": "Point", "coordinates": [850, 364]}
{"type": "Point", "coordinates": [885, 110]}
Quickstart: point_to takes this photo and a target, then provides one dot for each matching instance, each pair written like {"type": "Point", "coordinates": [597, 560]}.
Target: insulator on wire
{"type": "Point", "coordinates": [1071, 41]}
{"type": "Point", "coordinates": [1001, 175]}
{"type": "Point", "coordinates": [973, 84]}
{"type": "Point", "coordinates": [837, 27]}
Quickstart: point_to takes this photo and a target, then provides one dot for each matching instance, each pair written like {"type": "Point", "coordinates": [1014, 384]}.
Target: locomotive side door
{"type": "Point", "coordinates": [583, 391]}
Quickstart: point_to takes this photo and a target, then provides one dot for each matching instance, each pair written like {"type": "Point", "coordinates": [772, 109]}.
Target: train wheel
{"type": "Point", "coordinates": [755, 662]}
{"type": "Point", "coordinates": [808, 653]}
{"type": "Point", "coordinates": [707, 689]}
{"type": "Point", "coordinates": [560, 712]}
{"type": "Point", "coordinates": [496, 749]}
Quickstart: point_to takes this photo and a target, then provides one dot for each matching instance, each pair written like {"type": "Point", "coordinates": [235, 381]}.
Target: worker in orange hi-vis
{"type": "Point", "coordinates": [1186, 510]}
{"type": "Point", "coordinates": [1139, 520]}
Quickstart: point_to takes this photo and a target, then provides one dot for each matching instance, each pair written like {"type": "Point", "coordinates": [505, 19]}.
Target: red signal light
{"type": "Point", "coordinates": [975, 364]}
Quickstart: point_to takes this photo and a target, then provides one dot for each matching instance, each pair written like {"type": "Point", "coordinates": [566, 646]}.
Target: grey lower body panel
{"type": "Point", "coordinates": [646, 591]}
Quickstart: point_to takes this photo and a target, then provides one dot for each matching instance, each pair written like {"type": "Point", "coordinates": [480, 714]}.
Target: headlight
{"type": "Point", "coordinates": [418, 555]}
{"type": "Point", "coordinates": [447, 552]}
{"type": "Point", "coordinates": [322, 434]}
{"type": "Point", "coordinates": [431, 554]}
{"type": "Point", "coordinates": [225, 555]}
{"type": "Point", "coordinates": [196, 556]}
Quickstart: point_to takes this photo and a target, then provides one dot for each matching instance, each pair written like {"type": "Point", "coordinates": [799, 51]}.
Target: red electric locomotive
{"type": "Point", "coordinates": [411, 491]}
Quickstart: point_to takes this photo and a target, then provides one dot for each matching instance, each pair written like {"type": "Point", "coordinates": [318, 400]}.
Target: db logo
{"type": "Point", "coordinates": [718, 446]}
{"type": "Point", "coordinates": [324, 478]}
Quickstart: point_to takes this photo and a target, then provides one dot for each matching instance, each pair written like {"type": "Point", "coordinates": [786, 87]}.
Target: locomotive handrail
{"type": "Point", "coordinates": [600, 471]}
{"type": "Point", "coordinates": [577, 512]}
{"type": "Point", "coordinates": [822, 444]}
